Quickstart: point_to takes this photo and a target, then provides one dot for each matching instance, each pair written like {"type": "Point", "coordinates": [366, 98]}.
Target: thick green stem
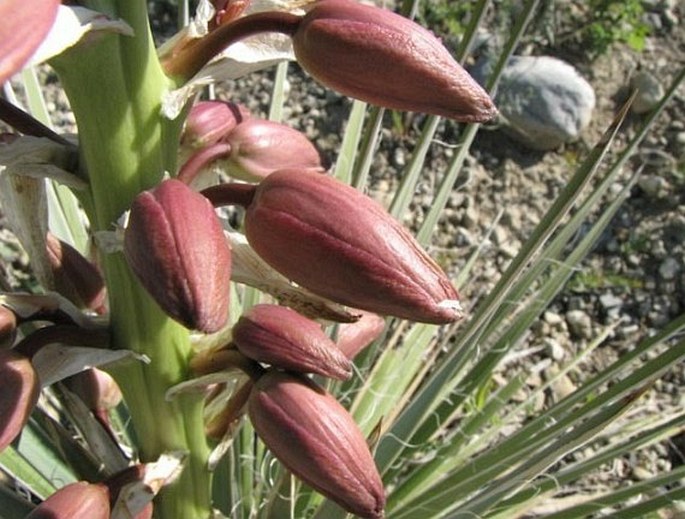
{"type": "Point", "coordinates": [115, 86]}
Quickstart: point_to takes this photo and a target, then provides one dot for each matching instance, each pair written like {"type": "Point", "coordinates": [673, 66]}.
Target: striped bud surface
{"type": "Point", "coordinates": [175, 245]}
{"type": "Point", "coordinates": [386, 59]}
{"type": "Point", "coordinates": [80, 500]}
{"type": "Point", "coordinates": [260, 147]}
{"type": "Point", "coordinates": [209, 121]}
{"type": "Point", "coordinates": [281, 337]}
{"type": "Point", "coordinates": [338, 243]}
{"type": "Point", "coordinates": [317, 440]}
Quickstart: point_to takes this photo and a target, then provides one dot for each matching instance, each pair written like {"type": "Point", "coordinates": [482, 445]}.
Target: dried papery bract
{"type": "Point", "coordinates": [78, 500]}
{"type": "Point", "coordinates": [175, 245]}
{"type": "Point", "coordinates": [317, 440]}
{"type": "Point", "coordinates": [331, 239]}
{"type": "Point", "coordinates": [19, 394]}
{"type": "Point", "coordinates": [285, 339]}
{"type": "Point", "coordinates": [385, 59]}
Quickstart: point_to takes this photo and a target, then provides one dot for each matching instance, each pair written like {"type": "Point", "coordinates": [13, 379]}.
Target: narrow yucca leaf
{"type": "Point", "coordinates": [440, 463]}
{"type": "Point", "coordinates": [350, 143]}
{"type": "Point", "coordinates": [506, 336]}
{"type": "Point", "coordinates": [527, 497]}
{"type": "Point", "coordinates": [444, 499]}
{"type": "Point", "coordinates": [411, 174]}
{"type": "Point", "coordinates": [625, 495]}
{"type": "Point", "coordinates": [427, 398]}
{"type": "Point", "coordinates": [440, 200]}
{"type": "Point", "coordinates": [278, 94]}
{"type": "Point", "coordinates": [392, 373]}
{"type": "Point", "coordinates": [369, 144]}
{"type": "Point", "coordinates": [534, 438]}
{"type": "Point", "coordinates": [100, 443]}
{"type": "Point", "coordinates": [21, 468]}
{"type": "Point", "coordinates": [54, 436]}
{"type": "Point", "coordinates": [64, 215]}
{"type": "Point", "coordinates": [580, 434]}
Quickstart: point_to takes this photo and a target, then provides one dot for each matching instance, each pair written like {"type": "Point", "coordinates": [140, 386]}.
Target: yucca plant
{"type": "Point", "coordinates": [220, 413]}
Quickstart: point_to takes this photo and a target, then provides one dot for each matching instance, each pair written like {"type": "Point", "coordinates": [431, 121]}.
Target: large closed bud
{"type": "Point", "coordinates": [317, 440]}
{"type": "Point", "coordinates": [175, 245]}
{"type": "Point", "coordinates": [385, 59]}
{"type": "Point", "coordinates": [338, 243]}
{"type": "Point", "coordinates": [19, 394]}
{"type": "Point", "coordinates": [78, 500]}
{"type": "Point", "coordinates": [281, 337]}
{"type": "Point", "coordinates": [260, 147]}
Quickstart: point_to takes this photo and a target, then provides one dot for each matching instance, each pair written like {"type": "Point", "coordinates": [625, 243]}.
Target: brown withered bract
{"type": "Point", "coordinates": [285, 339]}
{"type": "Point", "coordinates": [317, 440]}
{"type": "Point", "coordinates": [386, 59]}
{"type": "Point", "coordinates": [175, 245]}
{"type": "Point", "coordinates": [20, 391]}
{"type": "Point", "coordinates": [331, 239]}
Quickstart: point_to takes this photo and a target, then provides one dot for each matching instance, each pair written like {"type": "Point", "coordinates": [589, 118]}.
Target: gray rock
{"type": "Point", "coordinates": [649, 92]}
{"type": "Point", "coordinates": [544, 100]}
{"type": "Point", "coordinates": [554, 349]}
{"type": "Point", "coordinates": [669, 268]}
{"type": "Point", "coordinates": [579, 324]}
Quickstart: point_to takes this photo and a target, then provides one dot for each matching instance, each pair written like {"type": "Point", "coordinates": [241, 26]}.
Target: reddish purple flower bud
{"type": "Point", "coordinates": [24, 25]}
{"type": "Point", "coordinates": [209, 121]}
{"type": "Point", "coordinates": [385, 59]}
{"type": "Point", "coordinates": [331, 239]}
{"type": "Point", "coordinates": [281, 337]}
{"type": "Point", "coordinates": [354, 337]}
{"type": "Point", "coordinates": [317, 440]}
{"type": "Point", "coordinates": [260, 147]}
{"type": "Point", "coordinates": [20, 390]}
{"type": "Point", "coordinates": [175, 244]}
{"type": "Point", "coordinates": [75, 277]}
{"type": "Point", "coordinates": [98, 390]}
{"type": "Point", "coordinates": [78, 500]}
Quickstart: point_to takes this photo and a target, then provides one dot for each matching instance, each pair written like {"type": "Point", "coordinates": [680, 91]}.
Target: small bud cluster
{"type": "Point", "coordinates": [319, 233]}
{"type": "Point", "coordinates": [315, 232]}
{"type": "Point", "coordinates": [303, 425]}
{"type": "Point", "coordinates": [222, 137]}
